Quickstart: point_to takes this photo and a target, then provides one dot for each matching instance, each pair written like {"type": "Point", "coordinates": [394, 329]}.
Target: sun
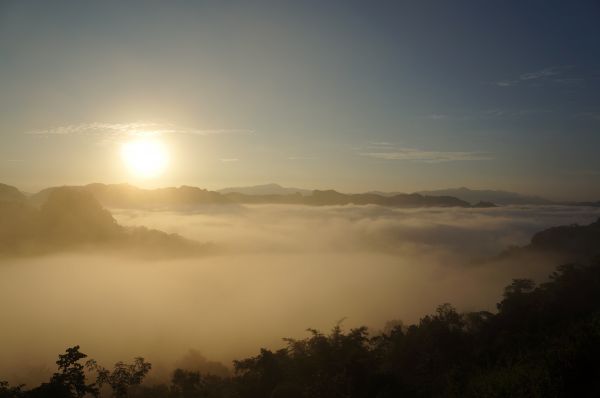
{"type": "Point", "coordinates": [145, 158]}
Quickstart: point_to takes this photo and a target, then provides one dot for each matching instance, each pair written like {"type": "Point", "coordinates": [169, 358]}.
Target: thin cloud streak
{"type": "Point", "coordinates": [423, 156]}
{"type": "Point", "coordinates": [486, 114]}
{"type": "Point", "coordinates": [548, 74]}
{"type": "Point", "coordinates": [133, 129]}
{"type": "Point", "coordinates": [301, 157]}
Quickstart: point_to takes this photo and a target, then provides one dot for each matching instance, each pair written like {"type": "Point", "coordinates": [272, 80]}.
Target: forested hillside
{"type": "Point", "coordinates": [543, 341]}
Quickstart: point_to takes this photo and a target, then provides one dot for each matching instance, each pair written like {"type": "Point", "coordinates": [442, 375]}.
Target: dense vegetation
{"type": "Point", "coordinates": [74, 219]}
{"type": "Point", "coordinates": [543, 341]}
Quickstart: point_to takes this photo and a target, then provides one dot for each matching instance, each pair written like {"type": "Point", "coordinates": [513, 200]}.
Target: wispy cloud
{"type": "Point", "coordinates": [511, 113]}
{"type": "Point", "coordinates": [546, 72]}
{"type": "Point", "coordinates": [485, 114]}
{"type": "Point", "coordinates": [301, 157]}
{"type": "Point", "coordinates": [550, 74]}
{"type": "Point", "coordinates": [379, 146]}
{"type": "Point", "coordinates": [437, 116]}
{"type": "Point", "coordinates": [132, 129]}
{"type": "Point", "coordinates": [506, 83]}
{"type": "Point", "coordinates": [426, 156]}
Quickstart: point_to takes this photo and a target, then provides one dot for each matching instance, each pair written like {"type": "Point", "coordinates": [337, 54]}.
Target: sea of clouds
{"type": "Point", "coordinates": [275, 270]}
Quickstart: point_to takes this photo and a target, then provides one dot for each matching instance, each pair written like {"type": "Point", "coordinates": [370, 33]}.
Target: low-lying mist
{"type": "Point", "coordinates": [275, 271]}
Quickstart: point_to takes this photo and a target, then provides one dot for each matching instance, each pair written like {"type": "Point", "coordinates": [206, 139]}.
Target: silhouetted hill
{"type": "Point", "coordinates": [332, 198]}
{"type": "Point", "coordinates": [127, 196]}
{"type": "Point", "coordinates": [562, 244]}
{"type": "Point", "coordinates": [8, 193]}
{"type": "Point", "coordinates": [580, 240]}
{"type": "Point", "coordinates": [71, 218]}
{"type": "Point", "coordinates": [484, 195]}
{"type": "Point", "coordinates": [265, 189]}
{"type": "Point", "coordinates": [240, 198]}
{"type": "Point", "coordinates": [586, 204]}
{"type": "Point", "coordinates": [483, 204]}
{"type": "Point", "coordinates": [130, 196]}
{"type": "Point", "coordinates": [401, 200]}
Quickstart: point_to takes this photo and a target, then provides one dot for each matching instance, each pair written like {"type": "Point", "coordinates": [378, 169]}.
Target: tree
{"type": "Point", "coordinates": [6, 391]}
{"type": "Point", "coordinates": [122, 377]}
{"type": "Point", "coordinates": [186, 384]}
{"type": "Point", "coordinates": [69, 381]}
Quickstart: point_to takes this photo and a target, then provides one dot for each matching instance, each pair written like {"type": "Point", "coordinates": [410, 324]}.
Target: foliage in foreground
{"type": "Point", "coordinates": [543, 342]}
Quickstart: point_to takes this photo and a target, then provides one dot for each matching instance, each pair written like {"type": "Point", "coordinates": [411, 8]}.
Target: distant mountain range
{"type": "Point", "coordinates": [128, 196]}
{"type": "Point", "coordinates": [73, 218]}
{"type": "Point", "coordinates": [332, 198]}
{"type": "Point", "coordinates": [266, 189]}
{"type": "Point", "coordinates": [486, 195]}
{"type": "Point", "coordinates": [464, 194]}
{"type": "Point", "coordinates": [502, 197]}
{"type": "Point", "coordinates": [481, 195]}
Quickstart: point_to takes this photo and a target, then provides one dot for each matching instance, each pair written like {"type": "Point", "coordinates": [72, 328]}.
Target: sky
{"type": "Point", "coordinates": [347, 95]}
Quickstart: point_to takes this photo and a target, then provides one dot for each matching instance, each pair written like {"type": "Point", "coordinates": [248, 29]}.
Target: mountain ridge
{"type": "Point", "coordinates": [129, 196]}
{"type": "Point", "coordinates": [265, 189]}
{"type": "Point", "coordinates": [74, 219]}
{"type": "Point", "coordinates": [491, 195]}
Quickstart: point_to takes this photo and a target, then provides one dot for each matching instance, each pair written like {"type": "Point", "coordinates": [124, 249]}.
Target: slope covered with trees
{"type": "Point", "coordinates": [543, 341]}
{"type": "Point", "coordinates": [73, 219]}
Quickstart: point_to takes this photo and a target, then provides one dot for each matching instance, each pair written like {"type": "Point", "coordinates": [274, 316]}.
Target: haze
{"type": "Point", "coordinates": [274, 271]}
{"type": "Point", "coordinates": [195, 182]}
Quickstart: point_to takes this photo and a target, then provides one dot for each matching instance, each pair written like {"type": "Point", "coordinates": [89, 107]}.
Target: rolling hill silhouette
{"type": "Point", "coordinates": [73, 219]}
{"type": "Point", "coordinates": [487, 195]}
{"type": "Point", "coordinates": [576, 240]}
{"type": "Point", "coordinates": [565, 243]}
{"type": "Point", "coordinates": [9, 193]}
{"type": "Point", "coordinates": [128, 196]}
{"type": "Point", "coordinates": [265, 189]}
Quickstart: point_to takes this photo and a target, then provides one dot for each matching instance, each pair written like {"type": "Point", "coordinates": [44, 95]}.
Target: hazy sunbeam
{"type": "Point", "coordinates": [145, 158]}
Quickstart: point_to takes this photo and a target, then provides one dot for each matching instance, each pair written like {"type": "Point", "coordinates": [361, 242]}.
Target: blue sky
{"type": "Point", "coordinates": [394, 95]}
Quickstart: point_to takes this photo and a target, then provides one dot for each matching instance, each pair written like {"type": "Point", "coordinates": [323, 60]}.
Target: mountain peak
{"type": "Point", "coordinates": [8, 193]}
{"type": "Point", "coordinates": [266, 189]}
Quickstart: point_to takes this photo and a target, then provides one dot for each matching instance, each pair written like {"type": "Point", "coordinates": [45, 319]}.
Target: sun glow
{"type": "Point", "coordinates": [145, 158]}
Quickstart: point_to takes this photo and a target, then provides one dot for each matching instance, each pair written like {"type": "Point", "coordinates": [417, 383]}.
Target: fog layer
{"type": "Point", "coordinates": [277, 270]}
